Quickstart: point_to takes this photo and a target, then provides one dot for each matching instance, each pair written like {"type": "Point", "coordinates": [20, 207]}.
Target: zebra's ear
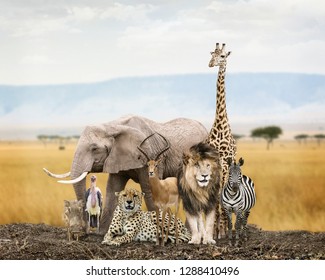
{"type": "Point", "coordinates": [229, 161]}
{"type": "Point", "coordinates": [241, 161]}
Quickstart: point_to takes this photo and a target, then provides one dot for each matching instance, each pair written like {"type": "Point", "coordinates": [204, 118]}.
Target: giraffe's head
{"type": "Point", "coordinates": [219, 56]}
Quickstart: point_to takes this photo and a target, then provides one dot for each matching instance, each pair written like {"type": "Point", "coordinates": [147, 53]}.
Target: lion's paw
{"type": "Point", "coordinates": [209, 241]}
{"type": "Point", "coordinates": [195, 240]}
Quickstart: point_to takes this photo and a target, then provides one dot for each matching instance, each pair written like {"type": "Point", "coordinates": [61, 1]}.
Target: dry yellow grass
{"type": "Point", "coordinates": [289, 179]}
{"type": "Point", "coordinates": [290, 184]}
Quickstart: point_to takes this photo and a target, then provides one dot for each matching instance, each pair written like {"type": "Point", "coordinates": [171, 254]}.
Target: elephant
{"type": "Point", "coordinates": [112, 148]}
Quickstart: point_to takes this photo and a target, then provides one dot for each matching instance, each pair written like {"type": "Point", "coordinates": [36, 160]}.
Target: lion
{"type": "Point", "coordinates": [198, 186]}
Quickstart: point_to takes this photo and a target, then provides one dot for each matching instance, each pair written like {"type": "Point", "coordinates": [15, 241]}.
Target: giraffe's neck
{"type": "Point", "coordinates": [221, 119]}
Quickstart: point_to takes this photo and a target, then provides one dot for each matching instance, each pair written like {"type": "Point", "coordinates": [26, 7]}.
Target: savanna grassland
{"type": "Point", "coordinates": [289, 180]}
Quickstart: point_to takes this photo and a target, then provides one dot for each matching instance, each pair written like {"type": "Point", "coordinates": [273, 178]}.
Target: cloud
{"type": "Point", "coordinates": [37, 59]}
{"type": "Point", "coordinates": [116, 11]}
{"type": "Point", "coordinates": [128, 12]}
{"type": "Point", "coordinates": [98, 40]}
{"type": "Point", "coordinates": [26, 20]}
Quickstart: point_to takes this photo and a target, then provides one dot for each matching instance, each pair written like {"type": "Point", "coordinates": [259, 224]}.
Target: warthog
{"type": "Point", "coordinates": [73, 218]}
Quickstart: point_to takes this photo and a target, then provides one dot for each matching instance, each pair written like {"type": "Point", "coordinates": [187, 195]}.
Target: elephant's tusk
{"type": "Point", "coordinates": [59, 176]}
{"type": "Point", "coordinates": [76, 180]}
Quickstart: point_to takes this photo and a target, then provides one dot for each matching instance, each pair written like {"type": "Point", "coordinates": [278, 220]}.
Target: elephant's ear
{"type": "Point", "coordinates": [124, 154]}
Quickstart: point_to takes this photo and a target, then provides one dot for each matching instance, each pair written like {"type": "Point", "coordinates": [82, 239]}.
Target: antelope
{"type": "Point", "coordinates": [164, 192]}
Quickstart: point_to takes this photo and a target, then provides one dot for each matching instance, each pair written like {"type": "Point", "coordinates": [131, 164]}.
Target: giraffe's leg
{"type": "Point", "coordinates": [228, 213]}
{"type": "Point", "coordinates": [217, 219]}
{"type": "Point", "coordinates": [223, 223]}
{"type": "Point", "coordinates": [223, 216]}
{"type": "Point", "coordinates": [216, 224]}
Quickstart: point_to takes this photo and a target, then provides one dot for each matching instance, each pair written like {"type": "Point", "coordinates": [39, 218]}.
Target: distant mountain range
{"type": "Point", "coordinates": [296, 102]}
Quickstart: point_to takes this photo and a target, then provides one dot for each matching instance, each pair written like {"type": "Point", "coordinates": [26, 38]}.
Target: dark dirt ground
{"type": "Point", "coordinates": [40, 241]}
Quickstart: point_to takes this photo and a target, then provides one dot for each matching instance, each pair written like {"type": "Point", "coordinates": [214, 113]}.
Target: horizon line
{"type": "Point", "coordinates": [154, 76]}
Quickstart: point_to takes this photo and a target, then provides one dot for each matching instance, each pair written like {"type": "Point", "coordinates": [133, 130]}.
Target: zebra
{"type": "Point", "coordinates": [238, 196]}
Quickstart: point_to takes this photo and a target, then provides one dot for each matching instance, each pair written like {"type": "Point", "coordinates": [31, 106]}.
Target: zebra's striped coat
{"type": "Point", "coordinates": [238, 196]}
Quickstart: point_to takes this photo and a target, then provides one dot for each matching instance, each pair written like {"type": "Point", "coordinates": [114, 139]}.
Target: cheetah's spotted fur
{"type": "Point", "coordinates": [130, 223]}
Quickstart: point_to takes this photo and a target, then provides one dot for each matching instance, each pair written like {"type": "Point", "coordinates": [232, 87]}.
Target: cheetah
{"type": "Point", "coordinates": [130, 223]}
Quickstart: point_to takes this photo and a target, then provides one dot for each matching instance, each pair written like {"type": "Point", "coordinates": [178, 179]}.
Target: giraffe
{"type": "Point", "coordinates": [220, 136]}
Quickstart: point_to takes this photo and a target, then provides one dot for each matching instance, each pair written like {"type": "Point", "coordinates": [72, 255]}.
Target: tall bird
{"type": "Point", "coordinates": [93, 204]}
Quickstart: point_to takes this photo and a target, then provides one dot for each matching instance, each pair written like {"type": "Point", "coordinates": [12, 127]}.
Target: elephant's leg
{"type": "Point", "coordinates": [115, 183]}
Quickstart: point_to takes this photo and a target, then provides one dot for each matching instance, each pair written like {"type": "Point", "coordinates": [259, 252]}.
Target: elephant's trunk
{"type": "Point", "coordinates": [80, 189]}
{"type": "Point", "coordinates": [81, 166]}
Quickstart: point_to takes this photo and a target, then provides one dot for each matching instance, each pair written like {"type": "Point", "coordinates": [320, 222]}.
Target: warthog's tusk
{"type": "Point", "coordinates": [76, 180]}
{"type": "Point", "coordinates": [58, 176]}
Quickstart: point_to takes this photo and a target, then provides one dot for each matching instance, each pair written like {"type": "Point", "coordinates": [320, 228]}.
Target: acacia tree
{"type": "Point", "coordinates": [269, 133]}
{"type": "Point", "coordinates": [301, 138]}
{"type": "Point", "coordinates": [319, 138]}
{"type": "Point", "coordinates": [61, 140]}
{"type": "Point", "coordinates": [238, 136]}
{"type": "Point", "coordinates": [43, 138]}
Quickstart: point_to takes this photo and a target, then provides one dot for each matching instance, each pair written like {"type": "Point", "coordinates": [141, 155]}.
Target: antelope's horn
{"type": "Point", "coordinates": [142, 151]}
{"type": "Point", "coordinates": [165, 148]}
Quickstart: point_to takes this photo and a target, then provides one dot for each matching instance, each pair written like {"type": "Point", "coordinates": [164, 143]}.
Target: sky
{"type": "Point", "coordinates": [79, 41]}
{"type": "Point", "coordinates": [295, 102]}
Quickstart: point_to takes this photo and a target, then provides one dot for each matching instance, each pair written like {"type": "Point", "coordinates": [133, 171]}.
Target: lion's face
{"type": "Point", "coordinates": [201, 165]}
{"type": "Point", "coordinates": [129, 200]}
{"type": "Point", "coordinates": [201, 171]}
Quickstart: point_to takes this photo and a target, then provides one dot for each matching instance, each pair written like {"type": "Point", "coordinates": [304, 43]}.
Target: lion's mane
{"type": "Point", "coordinates": [198, 199]}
